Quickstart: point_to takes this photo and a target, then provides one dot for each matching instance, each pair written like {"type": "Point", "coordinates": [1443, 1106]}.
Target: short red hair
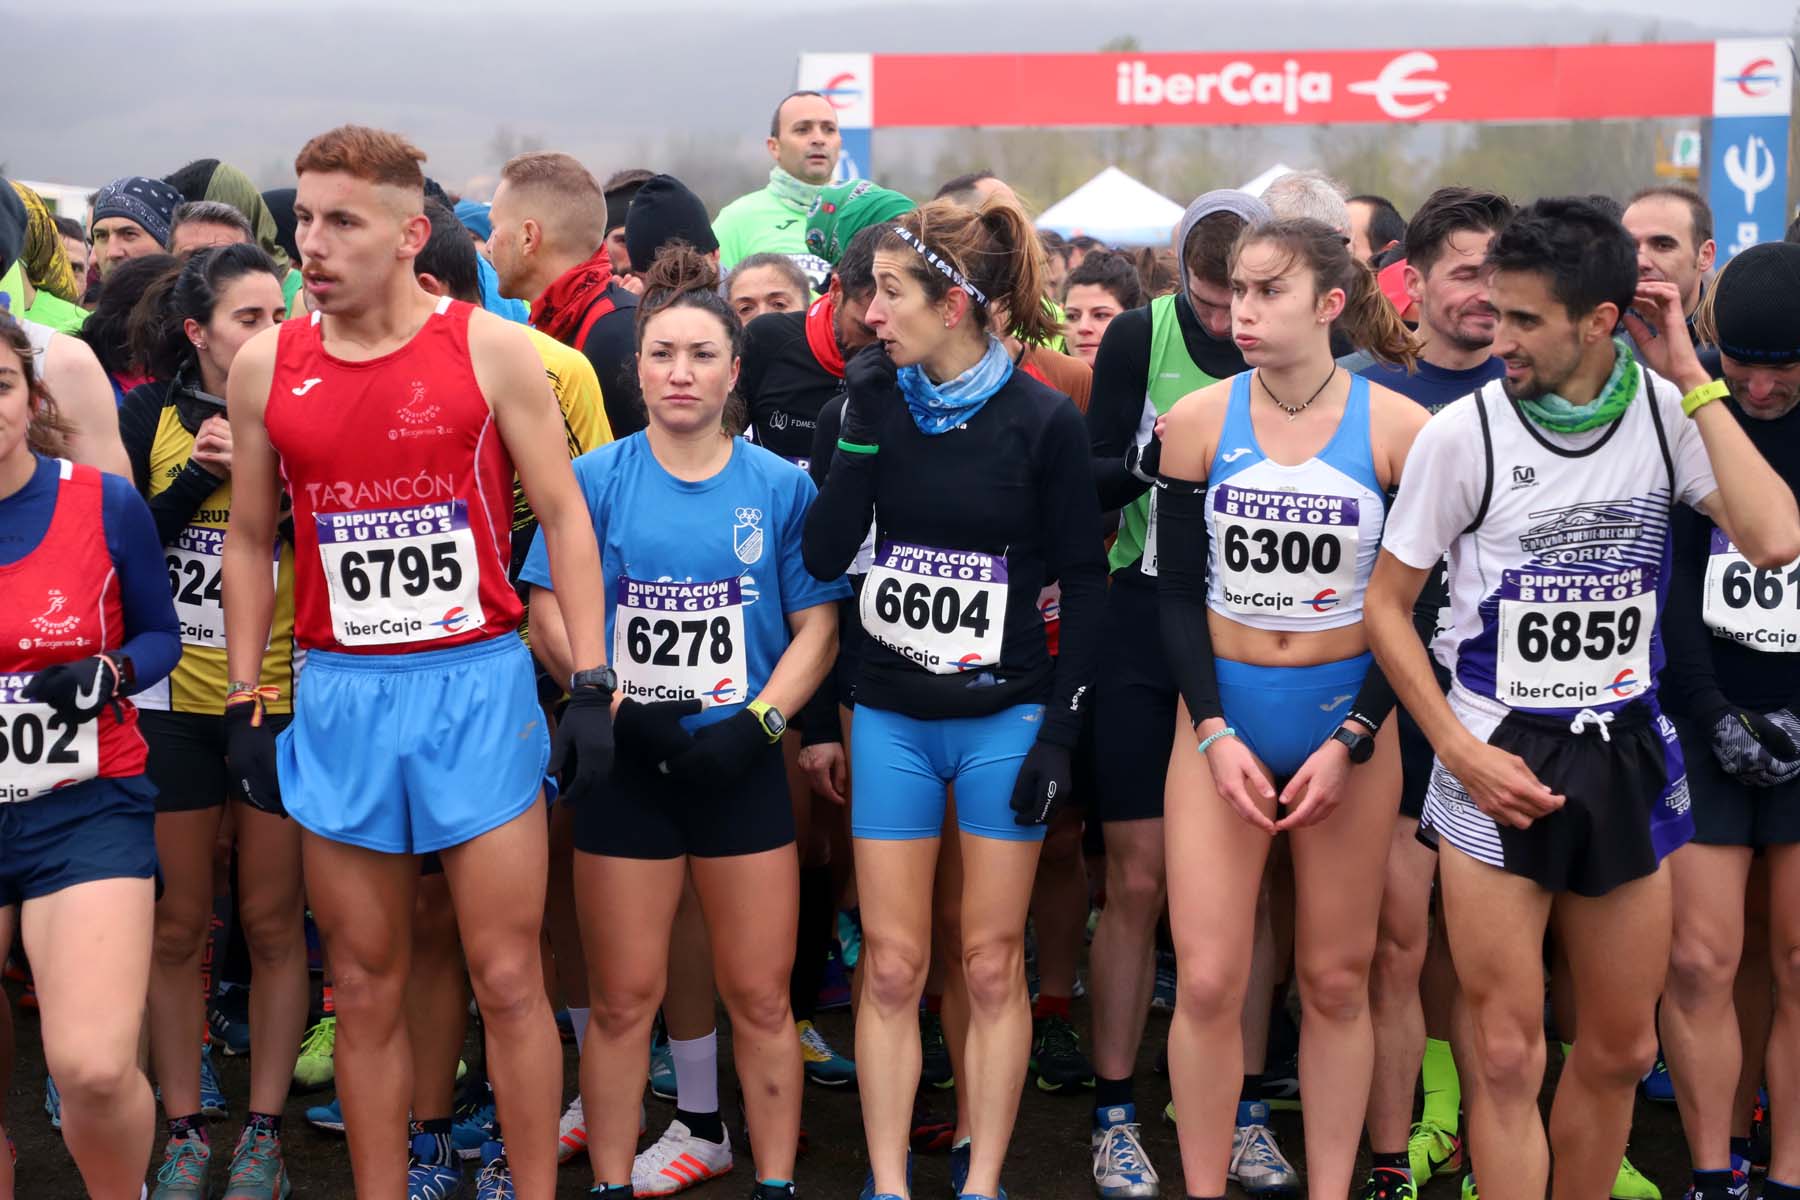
{"type": "Point", "coordinates": [372, 155]}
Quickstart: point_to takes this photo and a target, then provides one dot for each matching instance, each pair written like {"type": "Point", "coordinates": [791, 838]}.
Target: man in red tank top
{"type": "Point", "coordinates": [396, 421]}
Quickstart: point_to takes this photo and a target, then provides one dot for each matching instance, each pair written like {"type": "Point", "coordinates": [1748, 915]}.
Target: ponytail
{"type": "Point", "coordinates": [157, 329]}
{"type": "Point", "coordinates": [1371, 322]}
{"type": "Point", "coordinates": [994, 250]}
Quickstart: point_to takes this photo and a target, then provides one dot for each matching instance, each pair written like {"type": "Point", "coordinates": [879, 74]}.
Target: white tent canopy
{"type": "Point", "coordinates": [1115, 208]}
{"type": "Point", "coordinates": [1260, 184]}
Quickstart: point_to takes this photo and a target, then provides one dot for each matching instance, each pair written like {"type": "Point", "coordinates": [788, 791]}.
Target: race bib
{"type": "Point", "coordinates": [1756, 607]}
{"type": "Point", "coordinates": [194, 561]}
{"type": "Point", "coordinates": [400, 574]}
{"type": "Point", "coordinates": [39, 750]}
{"type": "Point", "coordinates": [1284, 553]}
{"type": "Point", "coordinates": [1572, 640]}
{"type": "Point", "coordinates": [680, 641]}
{"type": "Point", "coordinates": [943, 609]}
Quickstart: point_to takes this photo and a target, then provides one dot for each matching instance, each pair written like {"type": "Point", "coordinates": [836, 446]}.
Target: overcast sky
{"type": "Point", "coordinates": [115, 87]}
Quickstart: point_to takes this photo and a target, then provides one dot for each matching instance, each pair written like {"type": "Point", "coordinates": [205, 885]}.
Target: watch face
{"type": "Point", "coordinates": [774, 722]}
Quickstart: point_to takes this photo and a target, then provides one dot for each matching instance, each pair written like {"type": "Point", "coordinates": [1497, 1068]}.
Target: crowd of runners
{"type": "Point", "coordinates": [1370, 639]}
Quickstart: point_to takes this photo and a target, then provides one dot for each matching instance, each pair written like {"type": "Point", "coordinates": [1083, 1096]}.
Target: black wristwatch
{"type": "Point", "coordinates": [604, 678]}
{"type": "Point", "coordinates": [1360, 745]}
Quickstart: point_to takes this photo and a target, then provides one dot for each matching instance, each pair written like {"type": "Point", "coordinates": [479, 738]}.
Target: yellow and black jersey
{"type": "Point", "coordinates": [191, 517]}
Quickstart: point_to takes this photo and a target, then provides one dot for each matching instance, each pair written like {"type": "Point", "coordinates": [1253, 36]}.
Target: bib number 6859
{"type": "Point", "coordinates": [1566, 636]}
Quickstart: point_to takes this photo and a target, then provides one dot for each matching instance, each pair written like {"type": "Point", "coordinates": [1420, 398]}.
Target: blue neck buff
{"type": "Point", "coordinates": [936, 408]}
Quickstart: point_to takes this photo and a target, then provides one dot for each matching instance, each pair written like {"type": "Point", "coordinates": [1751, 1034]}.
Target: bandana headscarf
{"type": "Point", "coordinates": [796, 192]}
{"type": "Point", "coordinates": [1556, 414]}
{"type": "Point", "coordinates": [570, 301]}
{"type": "Point", "coordinates": [842, 210]}
{"type": "Point", "coordinates": [231, 186]}
{"type": "Point", "coordinates": [939, 407]}
{"type": "Point", "coordinates": [149, 202]}
{"type": "Point", "coordinates": [46, 262]}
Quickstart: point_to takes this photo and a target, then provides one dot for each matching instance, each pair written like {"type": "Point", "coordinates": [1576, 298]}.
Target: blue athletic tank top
{"type": "Point", "coordinates": [1292, 547]}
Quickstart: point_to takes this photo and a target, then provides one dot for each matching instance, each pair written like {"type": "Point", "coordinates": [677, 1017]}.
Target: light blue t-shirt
{"type": "Point", "coordinates": [699, 576]}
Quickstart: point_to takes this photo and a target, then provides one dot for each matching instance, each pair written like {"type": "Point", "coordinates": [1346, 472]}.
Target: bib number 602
{"type": "Point", "coordinates": [920, 606]}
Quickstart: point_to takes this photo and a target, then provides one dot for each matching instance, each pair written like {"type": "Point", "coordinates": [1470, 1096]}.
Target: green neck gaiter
{"type": "Point", "coordinates": [794, 191]}
{"type": "Point", "coordinates": [1554, 413]}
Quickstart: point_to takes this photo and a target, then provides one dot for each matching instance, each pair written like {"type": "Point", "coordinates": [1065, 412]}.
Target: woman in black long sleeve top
{"type": "Point", "coordinates": [977, 478]}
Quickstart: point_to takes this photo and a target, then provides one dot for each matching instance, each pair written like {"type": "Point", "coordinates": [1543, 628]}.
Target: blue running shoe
{"type": "Point", "coordinates": [185, 1170]}
{"type": "Point", "coordinates": [472, 1132]}
{"type": "Point", "coordinates": [959, 1167]}
{"type": "Point", "coordinates": [495, 1180]}
{"type": "Point", "coordinates": [868, 1188]}
{"type": "Point", "coordinates": [1122, 1169]}
{"type": "Point", "coordinates": [228, 1019]}
{"type": "Point", "coordinates": [329, 1117]}
{"type": "Point", "coordinates": [662, 1068]}
{"type": "Point", "coordinates": [257, 1169]}
{"type": "Point", "coordinates": [52, 1103]}
{"type": "Point", "coordinates": [427, 1176]}
{"type": "Point", "coordinates": [1657, 1084]}
{"type": "Point", "coordinates": [212, 1096]}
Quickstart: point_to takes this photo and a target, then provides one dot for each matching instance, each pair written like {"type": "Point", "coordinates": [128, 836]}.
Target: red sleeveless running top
{"type": "Point", "coordinates": [62, 606]}
{"type": "Point", "coordinates": [402, 492]}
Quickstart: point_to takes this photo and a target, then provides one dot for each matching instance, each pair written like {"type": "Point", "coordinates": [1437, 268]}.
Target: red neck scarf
{"type": "Point", "coordinates": [570, 306]}
{"type": "Point", "coordinates": [821, 335]}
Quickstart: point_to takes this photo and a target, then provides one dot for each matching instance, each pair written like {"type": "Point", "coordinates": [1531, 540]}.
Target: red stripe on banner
{"type": "Point", "coordinates": [1297, 88]}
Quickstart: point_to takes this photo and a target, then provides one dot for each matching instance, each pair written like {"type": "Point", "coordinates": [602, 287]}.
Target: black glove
{"type": "Point", "coordinates": [250, 756]}
{"type": "Point", "coordinates": [1760, 750]}
{"type": "Point", "coordinates": [1043, 785]}
{"type": "Point", "coordinates": [871, 382]}
{"type": "Point", "coordinates": [723, 750]}
{"type": "Point", "coordinates": [77, 691]}
{"type": "Point", "coordinates": [1145, 461]}
{"type": "Point", "coordinates": [584, 742]}
{"type": "Point", "coordinates": [652, 733]}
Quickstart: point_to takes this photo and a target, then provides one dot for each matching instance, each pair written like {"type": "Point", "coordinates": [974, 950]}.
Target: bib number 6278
{"type": "Point", "coordinates": [921, 606]}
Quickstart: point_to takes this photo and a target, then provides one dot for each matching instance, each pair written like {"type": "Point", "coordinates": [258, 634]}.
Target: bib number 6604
{"type": "Point", "coordinates": [921, 606]}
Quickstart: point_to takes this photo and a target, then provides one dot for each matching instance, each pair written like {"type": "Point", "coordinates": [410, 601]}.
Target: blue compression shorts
{"type": "Point", "coordinates": [1285, 713]}
{"type": "Point", "coordinates": [901, 768]}
{"type": "Point", "coordinates": [411, 753]}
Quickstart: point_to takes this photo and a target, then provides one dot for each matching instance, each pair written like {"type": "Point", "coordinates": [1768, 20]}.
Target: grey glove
{"type": "Point", "coordinates": [1758, 749]}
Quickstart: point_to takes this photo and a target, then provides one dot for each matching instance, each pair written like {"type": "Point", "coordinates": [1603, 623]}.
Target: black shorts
{"type": "Point", "coordinates": [1416, 755]}
{"type": "Point", "coordinates": [1612, 786]}
{"type": "Point", "coordinates": [1134, 707]}
{"type": "Point", "coordinates": [641, 814]}
{"type": "Point", "coordinates": [187, 757]}
{"type": "Point", "coordinates": [1727, 811]}
{"type": "Point", "coordinates": [851, 640]}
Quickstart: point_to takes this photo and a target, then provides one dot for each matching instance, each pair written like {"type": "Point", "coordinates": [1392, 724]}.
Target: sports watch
{"type": "Point", "coordinates": [1361, 745]}
{"type": "Point", "coordinates": [769, 717]}
{"type": "Point", "coordinates": [602, 677]}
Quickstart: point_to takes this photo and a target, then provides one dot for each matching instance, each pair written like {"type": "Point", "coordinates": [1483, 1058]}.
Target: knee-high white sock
{"type": "Point", "coordinates": [696, 1072]}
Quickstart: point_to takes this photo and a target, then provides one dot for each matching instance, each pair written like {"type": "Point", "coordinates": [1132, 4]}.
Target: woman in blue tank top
{"type": "Point", "coordinates": [1270, 507]}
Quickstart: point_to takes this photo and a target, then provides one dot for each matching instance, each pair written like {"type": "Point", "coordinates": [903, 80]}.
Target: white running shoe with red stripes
{"type": "Point", "coordinates": [678, 1161]}
{"type": "Point", "coordinates": [571, 1135]}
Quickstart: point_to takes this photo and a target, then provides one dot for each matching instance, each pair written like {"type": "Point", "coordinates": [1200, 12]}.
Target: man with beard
{"type": "Point", "coordinates": [1557, 777]}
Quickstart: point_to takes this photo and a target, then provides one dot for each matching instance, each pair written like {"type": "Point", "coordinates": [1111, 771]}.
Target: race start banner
{"type": "Point", "coordinates": [1744, 85]}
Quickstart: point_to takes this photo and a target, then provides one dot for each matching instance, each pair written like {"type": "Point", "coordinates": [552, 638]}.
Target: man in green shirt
{"type": "Point", "coordinates": [804, 143]}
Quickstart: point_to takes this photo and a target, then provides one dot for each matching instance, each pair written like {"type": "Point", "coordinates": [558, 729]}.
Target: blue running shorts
{"type": "Point", "coordinates": [901, 767]}
{"type": "Point", "coordinates": [411, 753]}
{"type": "Point", "coordinates": [95, 829]}
{"type": "Point", "coordinates": [1285, 713]}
